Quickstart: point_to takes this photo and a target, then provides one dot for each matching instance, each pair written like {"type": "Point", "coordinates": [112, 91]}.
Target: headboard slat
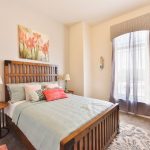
{"type": "Point", "coordinates": [25, 72]}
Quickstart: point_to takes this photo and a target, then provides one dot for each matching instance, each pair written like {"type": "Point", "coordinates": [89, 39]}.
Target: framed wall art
{"type": "Point", "coordinates": [32, 45]}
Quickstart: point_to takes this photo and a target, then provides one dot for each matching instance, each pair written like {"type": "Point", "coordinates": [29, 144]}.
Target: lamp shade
{"type": "Point", "coordinates": [1, 81]}
{"type": "Point", "coordinates": [67, 77]}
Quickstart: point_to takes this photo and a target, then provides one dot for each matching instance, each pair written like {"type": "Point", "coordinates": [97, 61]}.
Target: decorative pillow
{"type": "Point", "coordinates": [33, 96]}
{"type": "Point", "coordinates": [51, 86]}
{"type": "Point", "coordinates": [40, 94]}
{"type": "Point", "coordinates": [30, 91]}
{"type": "Point", "coordinates": [16, 92]}
{"type": "Point", "coordinates": [54, 94]}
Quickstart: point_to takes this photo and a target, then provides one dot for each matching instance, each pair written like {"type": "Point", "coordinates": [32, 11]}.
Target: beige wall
{"type": "Point", "coordinates": [11, 15]}
{"type": "Point", "coordinates": [101, 46]}
{"type": "Point", "coordinates": [87, 60]}
{"type": "Point", "coordinates": [76, 58]}
{"type": "Point", "coordinates": [79, 59]}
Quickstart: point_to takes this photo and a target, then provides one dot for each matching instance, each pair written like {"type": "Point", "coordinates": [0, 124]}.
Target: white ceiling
{"type": "Point", "coordinates": [69, 11]}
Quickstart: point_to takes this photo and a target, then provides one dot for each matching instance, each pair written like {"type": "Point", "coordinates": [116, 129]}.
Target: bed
{"type": "Point", "coordinates": [95, 134]}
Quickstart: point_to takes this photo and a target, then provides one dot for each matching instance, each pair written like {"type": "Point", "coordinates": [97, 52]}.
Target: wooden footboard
{"type": "Point", "coordinates": [96, 134]}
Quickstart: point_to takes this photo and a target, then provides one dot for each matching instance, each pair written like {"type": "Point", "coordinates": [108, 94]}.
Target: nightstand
{"type": "Point", "coordinates": [3, 124]}
{"type": "Point", "coordinates": [70, 91]}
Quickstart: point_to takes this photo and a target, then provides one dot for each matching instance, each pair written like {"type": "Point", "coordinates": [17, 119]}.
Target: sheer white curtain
{"type": "Point", "coordinates": [131, 83]}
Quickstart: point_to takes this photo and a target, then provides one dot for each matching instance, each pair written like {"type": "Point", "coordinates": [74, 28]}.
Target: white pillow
{"type": "Point", "coordinates": [30, 91]}
{"type": "Point", "coordinates": [33, 96]}
{"type": "Point", "coordinates": [52, 86]}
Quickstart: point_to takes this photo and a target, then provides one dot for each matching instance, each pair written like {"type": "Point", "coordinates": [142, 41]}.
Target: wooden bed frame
{"type": "Point", "coordinates": [97, 134]}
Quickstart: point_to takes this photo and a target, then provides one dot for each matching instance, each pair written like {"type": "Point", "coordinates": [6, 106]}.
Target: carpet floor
{"type": "Point", "coordinates": [131, 138]}
{"type": "Point", "coordinates": [134, 135]}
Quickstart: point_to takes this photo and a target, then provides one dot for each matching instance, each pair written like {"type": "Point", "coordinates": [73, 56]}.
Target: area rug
{"type": "Point", "coordinates": [131, 138]}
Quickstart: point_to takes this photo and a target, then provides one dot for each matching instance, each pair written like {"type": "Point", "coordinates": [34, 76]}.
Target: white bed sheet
{"type": "Point", "coordinates": [11, 107]}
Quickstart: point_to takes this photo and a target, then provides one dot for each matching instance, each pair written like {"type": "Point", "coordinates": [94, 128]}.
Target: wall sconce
{"type": "Point", "coordinates": [101, 63]}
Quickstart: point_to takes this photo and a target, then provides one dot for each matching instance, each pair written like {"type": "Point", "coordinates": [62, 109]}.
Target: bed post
{"type": "Point", "coordinates": [68, 146]}
{"type": "Point", "coordinates": [6, 78]}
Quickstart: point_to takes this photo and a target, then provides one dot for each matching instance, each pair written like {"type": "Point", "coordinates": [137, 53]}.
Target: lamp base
{"type": "Point", "coordinates": [66, 90]}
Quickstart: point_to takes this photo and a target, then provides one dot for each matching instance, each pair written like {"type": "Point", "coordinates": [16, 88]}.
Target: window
{"type": "Point", "coordinates": [132, 66]}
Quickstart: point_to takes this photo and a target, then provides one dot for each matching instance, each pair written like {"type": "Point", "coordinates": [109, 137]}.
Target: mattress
{"type": "Point", "coordinates": [11, 107]}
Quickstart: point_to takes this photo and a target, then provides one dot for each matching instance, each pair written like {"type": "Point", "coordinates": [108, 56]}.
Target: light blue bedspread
{"type": "Point", "coordinates": [45, 124]}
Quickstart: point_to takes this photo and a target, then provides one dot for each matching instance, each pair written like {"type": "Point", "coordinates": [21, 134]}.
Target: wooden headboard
{"type": "Point", "coordinates": [25, 72]}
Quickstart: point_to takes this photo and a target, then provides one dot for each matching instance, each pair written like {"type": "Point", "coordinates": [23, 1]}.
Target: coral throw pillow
{"type": "Point", "coordinates": [54, 94]}
{"type": "Point", "coordinates": [3, 147]}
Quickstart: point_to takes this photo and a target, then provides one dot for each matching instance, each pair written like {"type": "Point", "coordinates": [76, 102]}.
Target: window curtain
{"type": "Point", "coordinates": [136, 24]}
{"type": "Point", "coordinates": [131, 72]}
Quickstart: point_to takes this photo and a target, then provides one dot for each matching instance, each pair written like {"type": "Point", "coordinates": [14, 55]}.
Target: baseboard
{"type": "Point", "coordinates": [142, 116]}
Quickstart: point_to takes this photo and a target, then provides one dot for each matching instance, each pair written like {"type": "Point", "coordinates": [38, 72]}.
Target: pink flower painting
{"type": "Point", "coordinates": [32, 45]}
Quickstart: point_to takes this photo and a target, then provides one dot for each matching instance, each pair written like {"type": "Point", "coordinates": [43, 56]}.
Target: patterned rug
{"type": "Point", "coordinates": [131, 138]}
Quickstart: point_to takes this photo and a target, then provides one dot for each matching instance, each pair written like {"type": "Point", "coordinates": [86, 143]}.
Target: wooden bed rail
{"type": "Point", "coordinates": [96, 134]}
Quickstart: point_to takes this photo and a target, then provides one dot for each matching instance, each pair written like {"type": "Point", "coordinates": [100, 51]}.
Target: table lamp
{"type": "Point", "coordinates": [67, 78]}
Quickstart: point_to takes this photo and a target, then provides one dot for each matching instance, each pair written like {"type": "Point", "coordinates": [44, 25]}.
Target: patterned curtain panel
{"type": "Point", "coordinates": [131, 72]}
